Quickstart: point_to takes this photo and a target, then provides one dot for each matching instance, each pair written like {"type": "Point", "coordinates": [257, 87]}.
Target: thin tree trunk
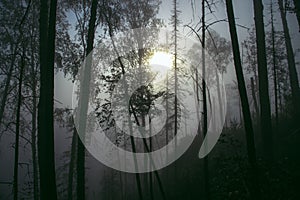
{"type": "Point", "coordinates": [33, 130]}
{"type": "Point", "coordinates": [255, 193]}
{"type": "Point", "coordinates": [45, 108]}
{"type": "Point", "coordinates": [274, 65]}
{"type": "Point", "coordinates": [150, 173]}
{"type": "Point", "coordinates": [254, 99]}
{"type": "Point", "coordinates": [19, 102]}
{"type": "Point", "coordinates": [176, 84]}
{"type": "Point", "coordinates": [83, 103]}
{"type": "Point", "coordinates": [291, 62]}
{"type": "Point", "coordinates": [265, 114]}
{"type": "Point", "coordinates": [206, 175]}
{"type": "Point", "coordinates": [219, 94]}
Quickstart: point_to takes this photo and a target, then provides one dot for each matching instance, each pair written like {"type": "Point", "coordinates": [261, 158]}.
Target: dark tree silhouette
{"type": "Point", "coordinates": [243, 96]}
{"type": "Point", "coordinates": [291, 62]}
{"type": "Point", "coordinates": [45, 107]}
{"type": "Point", "coordinates": [265, 114]}
{"type": "Point", "coordinates": [83, 103]}
{"type": "Point", "coordinates": [204, 128]}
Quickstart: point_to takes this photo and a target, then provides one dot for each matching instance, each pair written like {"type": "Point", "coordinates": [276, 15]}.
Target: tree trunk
{"type": "Point", "coordinates": [244, 99]}
{"type": "Point", "coordinates": [19, 102]}
{"type": "Point", "coordinates": [72, 164]}
{"type": "Point", "coordinates": [176, 83]}
{"type": "Point", "coordinates": [33, 130]}
{"type": "Point", "coordinates": [274, 65]}
{"type": "Point", "coordinates": [206, 175]}
{"type": "Point", "coordinates": [265, 114]}
{"type": "Point", "coordinates": [45, 108]}
{"type": "Point", "coordinates": [83, 103]}
{"type": "Point", "coordinates": [254, 99]}
{"type": "Point", "coordinates": [297, 10]}
{"type": "Point", "coordinates": [291, 62]}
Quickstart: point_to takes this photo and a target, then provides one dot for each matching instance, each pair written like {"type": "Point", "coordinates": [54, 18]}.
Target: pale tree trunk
{"type": "Point", "coordinates": [254, 99]}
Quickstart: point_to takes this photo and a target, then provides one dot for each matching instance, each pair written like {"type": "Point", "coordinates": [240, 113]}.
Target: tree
{"type": "Point", "coordinates": [294, 81]}
{"type": "Point", "coordinates": [83, 103]}
{"type": "Point", "coordinates": [45, 107]}
{"type": "Point", "coordinates": [243, 96]}
{"type": "Point", "coordinates": [265, 110]}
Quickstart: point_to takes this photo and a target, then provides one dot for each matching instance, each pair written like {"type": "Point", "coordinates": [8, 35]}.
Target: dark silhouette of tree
{"type": "Point", "coordinates": [243, 96]}
{"type": "Point", "coordinates": [45, 107]}
{"type": "Point", "coordinates": [83, 102]}
{"type": "Point", "coordinates": [265, 114]}
{"type": "Point", "coordinates": [274, 63]}
{"type": "Point", "coordinates": [294, 81]}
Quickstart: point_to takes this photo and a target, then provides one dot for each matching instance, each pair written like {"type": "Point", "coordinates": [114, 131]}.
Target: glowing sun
{"type": "Point", "coordinates": [161, 61]}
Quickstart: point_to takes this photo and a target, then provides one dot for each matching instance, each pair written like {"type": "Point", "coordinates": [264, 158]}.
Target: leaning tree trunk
{"type": "Point", "coordinates": [265, 110]}
{"type": "Point", "coordinates": [83, 103]}
{"type": "Point", "coordinates": [244, 99]}
{"type": "Point", "coordinates": [45, 108]}
{"type": "Point", "coordinates": [291, 62]}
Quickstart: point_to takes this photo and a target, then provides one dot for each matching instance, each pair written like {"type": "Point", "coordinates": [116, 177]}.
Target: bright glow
{"type": "Point", "coordinates": [161, 61]}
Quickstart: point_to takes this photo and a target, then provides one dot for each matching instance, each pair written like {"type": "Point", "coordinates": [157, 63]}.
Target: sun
{"type": "Point", "coordinates": [161, 61]}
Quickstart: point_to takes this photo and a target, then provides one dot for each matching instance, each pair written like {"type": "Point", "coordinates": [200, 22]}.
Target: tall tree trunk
{"type": "Point", "coordinates": [291, 62]}
{"type": "Point", "coordinates": [72, 164]}
{"type": "Point", "coordinates": [83, 103]}
{"type": "Point", "coordinates": [45, 108]}
{"type": "Point", "coordinates": [219, 94]}
{"type": "Point", "coordinates": [297, 10]}
{"type": "Point", "coordinates": [33, 129]}
{"type": "Point", "coordinates": [206, 175]}
{"type": "Point", "coordinates": [176, 82]}
{"type": "Point", "coordinates": [265, 114]}
{"type": "Point", "coordinates": [274, 65]}
{"type": "Point", "coordinates": [19, 102]}
{"type": "Point", "coordinates": [244, 99]}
